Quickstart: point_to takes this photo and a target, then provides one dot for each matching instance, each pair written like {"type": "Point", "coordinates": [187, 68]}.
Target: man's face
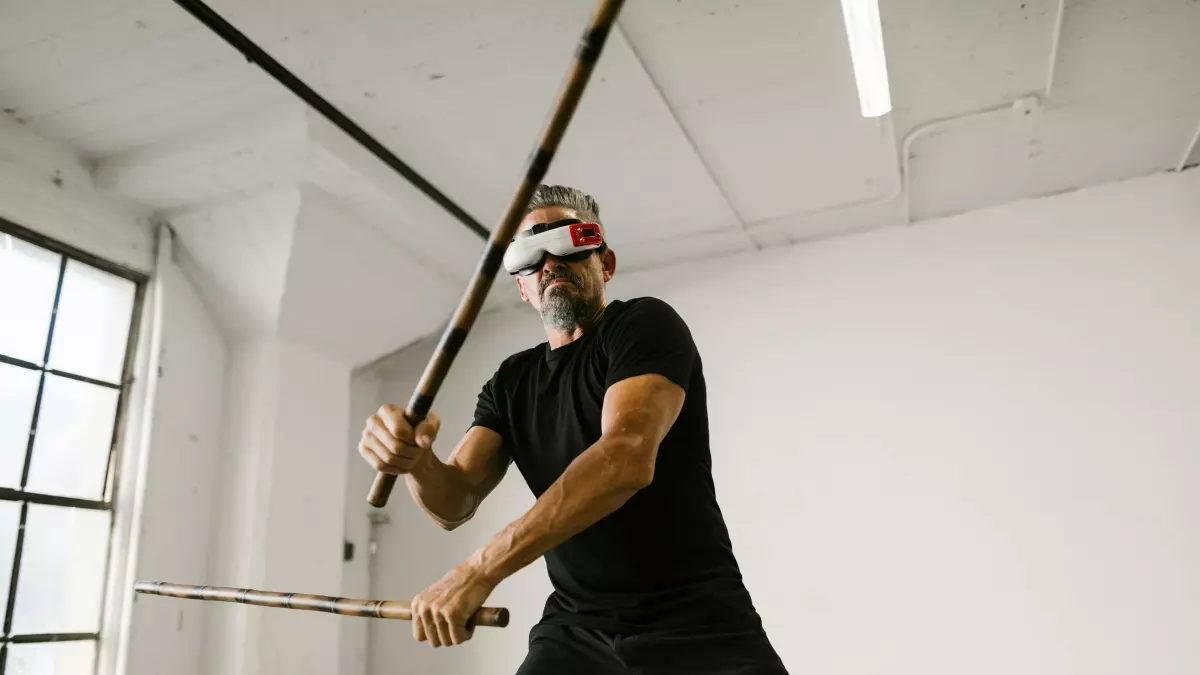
{"type": "Point", "coordinates": [565, 293]}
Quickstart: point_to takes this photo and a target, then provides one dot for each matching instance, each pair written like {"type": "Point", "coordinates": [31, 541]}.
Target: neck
{"type": "Point", "coordinates": [558, 338]}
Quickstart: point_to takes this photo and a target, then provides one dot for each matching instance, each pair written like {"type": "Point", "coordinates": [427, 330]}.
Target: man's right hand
{"type": "Point", "coordinates": [390, 444]}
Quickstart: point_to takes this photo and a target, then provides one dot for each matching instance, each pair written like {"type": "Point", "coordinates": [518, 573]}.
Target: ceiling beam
{"type": "Point", "coordinates": [255, 54]}
{"type": "Point", "coordinates": [1191, 154]}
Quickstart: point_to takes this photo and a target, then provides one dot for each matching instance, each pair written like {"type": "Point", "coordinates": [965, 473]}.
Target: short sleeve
{"type": "Point", "coordinates": [488, 412]}
{"type": "Point", "coordinates": [649, 337]}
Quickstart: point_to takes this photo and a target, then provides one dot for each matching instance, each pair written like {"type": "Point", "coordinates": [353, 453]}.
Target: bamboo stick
{"type": "Point", "coordinates": [376, 609]}
{"type": "Point", "coordinates": [590, 45]}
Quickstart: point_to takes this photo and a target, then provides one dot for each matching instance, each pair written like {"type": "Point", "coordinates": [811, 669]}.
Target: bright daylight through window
{"type": "Point", "coordinates": [66, 328]}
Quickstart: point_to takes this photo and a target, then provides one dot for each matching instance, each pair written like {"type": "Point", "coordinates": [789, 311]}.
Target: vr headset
{"type": "Point", "coordinates": [568, 239]}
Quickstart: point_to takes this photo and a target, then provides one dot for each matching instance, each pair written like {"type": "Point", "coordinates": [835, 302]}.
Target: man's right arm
{"type": "Point", "coordinates": [450, 492]}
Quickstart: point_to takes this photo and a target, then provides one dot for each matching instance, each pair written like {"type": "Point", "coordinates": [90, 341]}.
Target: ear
{"type": "Point", "coordinates": [608, 263]}
{"type": "Point", "coordinates": [521, 289]}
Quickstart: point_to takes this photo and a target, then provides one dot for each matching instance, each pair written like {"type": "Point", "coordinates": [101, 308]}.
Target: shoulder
{"type": "Point", "coordinates": [643, 313]}
{"type": "Point", "coordinates": [641, 308]}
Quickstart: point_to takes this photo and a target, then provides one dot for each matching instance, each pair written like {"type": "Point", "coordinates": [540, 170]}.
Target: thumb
{"type": "Point", "coordinates": [427, 431]}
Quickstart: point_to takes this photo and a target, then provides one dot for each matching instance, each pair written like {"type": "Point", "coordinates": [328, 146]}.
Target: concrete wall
{"type": "Point", "coordinates": [966, 445]}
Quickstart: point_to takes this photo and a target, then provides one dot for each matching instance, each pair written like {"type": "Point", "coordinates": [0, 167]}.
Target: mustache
{"type": "Point", "coordinates": [560, 274]}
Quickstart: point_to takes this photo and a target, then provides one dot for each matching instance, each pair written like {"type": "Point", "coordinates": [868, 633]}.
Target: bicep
{"type": "Point", "coordinates": [481, 459]}
{"type": "Point", "coordinates": [641, 409]}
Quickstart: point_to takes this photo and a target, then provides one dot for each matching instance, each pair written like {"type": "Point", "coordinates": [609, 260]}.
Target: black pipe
{"type": "Point", "coordinates": [255, 54]}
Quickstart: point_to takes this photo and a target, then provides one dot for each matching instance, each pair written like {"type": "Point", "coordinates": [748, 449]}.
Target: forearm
{"type": "Point", "coordinates": [442, 491]}
{"type": "Point", "coordinates": [597, 483]}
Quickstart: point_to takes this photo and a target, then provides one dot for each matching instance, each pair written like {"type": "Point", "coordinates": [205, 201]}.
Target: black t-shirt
{"type": "Point", "coordinates": [664, 559]}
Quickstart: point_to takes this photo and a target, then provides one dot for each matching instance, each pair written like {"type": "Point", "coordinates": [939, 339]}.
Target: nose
{"type": "Point", "coordinates": [552, 263]}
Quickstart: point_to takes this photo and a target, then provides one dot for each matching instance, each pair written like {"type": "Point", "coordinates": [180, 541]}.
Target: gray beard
{"type": "Point", "coordinates": [563, 309]}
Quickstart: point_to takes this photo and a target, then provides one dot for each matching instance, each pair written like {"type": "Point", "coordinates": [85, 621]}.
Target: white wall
{"type": "Point", "coordinates": [238, 255]}
{"type": "Point", "coordinates": [966, 445]}
{"type": "Point", "coordinates": [356, 573]}
{"type": "Point", "coordinates": [240, 517]}
{"type": "Point", "coordinates": [280, 517]}
{"type": "Point", "coordinates": [46, 188]}
{"type": "Point", "coordinates": [177, 482]}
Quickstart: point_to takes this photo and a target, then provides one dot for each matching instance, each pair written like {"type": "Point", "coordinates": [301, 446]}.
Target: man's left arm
{"type": "Point", "coordinates": [638, 412]}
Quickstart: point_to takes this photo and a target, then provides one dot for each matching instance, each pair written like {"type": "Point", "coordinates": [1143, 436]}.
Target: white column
{"type": "Point", "coordinates": [281, 502]}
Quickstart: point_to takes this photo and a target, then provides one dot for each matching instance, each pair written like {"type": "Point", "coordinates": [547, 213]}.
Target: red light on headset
{"type": "Point", "coordinates": [586, 234]}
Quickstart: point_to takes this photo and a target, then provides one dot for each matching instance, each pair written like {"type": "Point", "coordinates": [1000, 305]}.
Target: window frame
{"type": "Point", "coordinates": [107, 502]}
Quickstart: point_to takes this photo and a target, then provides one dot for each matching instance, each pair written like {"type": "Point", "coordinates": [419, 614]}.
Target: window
{"type": "Point", "coordinates": [67, 326]}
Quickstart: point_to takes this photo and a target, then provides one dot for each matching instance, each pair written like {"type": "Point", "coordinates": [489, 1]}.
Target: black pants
{"type": "Point", "coordinates": [741, 649]}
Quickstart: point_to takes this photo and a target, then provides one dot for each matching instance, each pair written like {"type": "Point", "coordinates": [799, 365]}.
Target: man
{"type": "Point", "coordinates": [608, 424]}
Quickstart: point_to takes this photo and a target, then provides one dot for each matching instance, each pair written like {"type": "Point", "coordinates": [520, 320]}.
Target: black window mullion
{"type": "Point", "coordinates": [37, 405]}
{"type": "Point", "coordinates": [19, 363]}
{"type": "Point", "coordinates": [16, 573]}
{"type": "Point", "coordinates": [51, 637]}
{"type": "Point", "coordinates": [11, 495]}
{"type": "Point", "coordinates": [60, 373]}
{"type": "Point", "coordinates": [37, 408]}
{"type": "Point", "coordinates": [112, 473]}
{"type": "Point", "coordinates": [83, 378]}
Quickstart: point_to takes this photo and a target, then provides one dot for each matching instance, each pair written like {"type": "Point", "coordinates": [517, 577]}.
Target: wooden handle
{"type": "Point", "coordinates": [590, 46]}
{"type": "Point", "coordinates": [496, 617]}
{"type": "Point", "coordinates": [381, 489]}
{"type": "Point", "coordinates": [418, 409]}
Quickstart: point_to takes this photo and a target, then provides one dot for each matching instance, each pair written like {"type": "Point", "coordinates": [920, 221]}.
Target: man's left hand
{"type": "Point", "coordinates": [440, 613]}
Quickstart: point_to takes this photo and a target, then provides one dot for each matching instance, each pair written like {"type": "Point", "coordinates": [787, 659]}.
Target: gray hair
{"type": "Point", "coordinates": [566, 197]}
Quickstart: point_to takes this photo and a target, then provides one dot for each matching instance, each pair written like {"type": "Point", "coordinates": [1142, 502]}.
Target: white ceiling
{"type": "Point", "coordinates": [715, 125]}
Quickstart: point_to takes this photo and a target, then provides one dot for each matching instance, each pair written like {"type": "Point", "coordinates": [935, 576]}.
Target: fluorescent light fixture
{"type": "Point", "coordinates": [866, 51]}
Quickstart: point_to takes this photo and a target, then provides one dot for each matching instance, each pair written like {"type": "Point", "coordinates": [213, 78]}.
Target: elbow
{"type": "Point", "coordinates": [637, 463]}
{"type": "Point", "coordinates": [642, 474]}
{"type": "Point", "coordinates": [449, 524]}
{"type": "Point", "coordinates": [642, 479]}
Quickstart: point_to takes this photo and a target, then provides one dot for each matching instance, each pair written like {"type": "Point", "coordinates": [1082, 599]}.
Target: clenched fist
{"type": "Point", "coordinates": [391, 445]}
{"type": "Point", "coordinates": [441, 613]}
